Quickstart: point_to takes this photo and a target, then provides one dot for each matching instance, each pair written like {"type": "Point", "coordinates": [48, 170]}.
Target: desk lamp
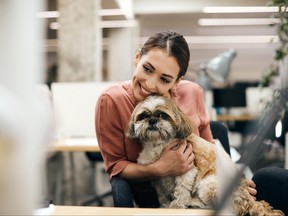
{"type": "Point", "coordinates": [216, 69]}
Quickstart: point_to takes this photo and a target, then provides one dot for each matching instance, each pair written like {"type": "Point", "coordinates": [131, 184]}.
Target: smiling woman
{"type": "Point", "coordinates": [159, 68]}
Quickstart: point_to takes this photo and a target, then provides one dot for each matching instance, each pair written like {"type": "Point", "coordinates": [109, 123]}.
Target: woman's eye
{"type": "Point", "coordinates": [146, 68]}
{"type": "Point", "coordinates": [165, 80]}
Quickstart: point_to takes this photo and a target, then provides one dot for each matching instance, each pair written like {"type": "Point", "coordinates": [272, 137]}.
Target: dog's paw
{"type": "Point", "coordinates": [178, 205]}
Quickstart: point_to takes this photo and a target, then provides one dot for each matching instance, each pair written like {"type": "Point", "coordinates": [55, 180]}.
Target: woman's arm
{"type": "Point", "coordinates": [120, 155]}
{"type": "Point", "coordinates": [176, 159]}
{"type": "Point", "coordinates": [110, 135]}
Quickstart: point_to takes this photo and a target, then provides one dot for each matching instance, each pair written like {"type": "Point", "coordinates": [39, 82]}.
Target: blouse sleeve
{"type": "Point", "coordinates": [110, 135]}
{"type": "Point", "coordinates": [204, 128]}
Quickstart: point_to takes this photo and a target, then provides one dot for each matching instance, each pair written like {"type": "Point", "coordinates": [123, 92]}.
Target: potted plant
{"type": "Point", "coordinates": [279, 66]}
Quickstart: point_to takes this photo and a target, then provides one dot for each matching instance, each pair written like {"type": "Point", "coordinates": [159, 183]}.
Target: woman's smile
{"type": "Point", "coordinates": [144, 91]}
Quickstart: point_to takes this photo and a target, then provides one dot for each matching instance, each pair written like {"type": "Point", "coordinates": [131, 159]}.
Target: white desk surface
{"type": "Point", "coordinates": [75, 144]}
{"type": "Point", "coordinates": [85, 210]}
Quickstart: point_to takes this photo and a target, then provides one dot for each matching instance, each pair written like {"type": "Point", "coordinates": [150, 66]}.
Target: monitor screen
{"type": "Point", "coordinates": [229, 97]}
{"type": "Point", "coordinates": [232, 96]}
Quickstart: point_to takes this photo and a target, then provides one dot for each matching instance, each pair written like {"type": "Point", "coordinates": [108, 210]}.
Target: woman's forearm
{"type": "Point", "coordinates": [137, 172]}
{"type": "Point", "coordinates": [172, 162]}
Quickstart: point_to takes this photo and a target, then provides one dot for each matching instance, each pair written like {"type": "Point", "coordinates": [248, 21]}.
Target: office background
{"type": "Point", "coordinates": [84, 42]}
{"type": "Point", "coordinates": [96, 40]}
{"type": "Point", "coordinates": [118, 36]}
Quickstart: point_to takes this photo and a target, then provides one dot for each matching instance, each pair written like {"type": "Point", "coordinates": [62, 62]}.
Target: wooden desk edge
{"type": "Point", "coordinates": [91, 210]}
{"type": "Point", "coordinates": [242, 117]}
{"type": "Point", "coordinates": [59, 145]}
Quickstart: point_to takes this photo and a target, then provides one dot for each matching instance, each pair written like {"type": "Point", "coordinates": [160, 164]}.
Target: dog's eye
{"type": "Point", "coordinates": [142, 116]}
{"type": "Point", "coordinates": [164, 116]}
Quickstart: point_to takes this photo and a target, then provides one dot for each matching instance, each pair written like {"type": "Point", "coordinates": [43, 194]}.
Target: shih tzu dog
{"type": "Point", "coordinates": [156, 122]}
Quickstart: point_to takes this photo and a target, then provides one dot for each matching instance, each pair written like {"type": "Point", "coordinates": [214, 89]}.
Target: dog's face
{"type": "Point", "coordinates": [158, 119]}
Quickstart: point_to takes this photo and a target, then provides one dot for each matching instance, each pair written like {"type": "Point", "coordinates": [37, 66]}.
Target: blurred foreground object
{"type": "Point", "coordinates": [23, 119]}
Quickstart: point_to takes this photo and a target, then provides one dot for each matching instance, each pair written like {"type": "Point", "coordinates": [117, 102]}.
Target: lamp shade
{"type": "Point", "coordinates": [218, 68]}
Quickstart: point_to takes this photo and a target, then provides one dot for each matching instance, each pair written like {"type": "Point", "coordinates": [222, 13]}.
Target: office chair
{"type": "Point", "coordinates": [94, 158]}
{"type": "Point", "coordinates": [121, 190]}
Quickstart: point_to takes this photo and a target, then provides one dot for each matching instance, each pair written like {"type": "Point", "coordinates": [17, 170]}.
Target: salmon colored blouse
{"type": "Point", "coordinates": [114, 108]}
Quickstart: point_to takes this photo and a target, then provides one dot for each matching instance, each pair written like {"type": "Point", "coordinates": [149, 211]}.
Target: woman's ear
{"type": "Point", "coordinates": [137, 57]}
{"type": "Point", "coordinates": [177, 82]}
{"type": "Point", "coordinates": [180, 78]}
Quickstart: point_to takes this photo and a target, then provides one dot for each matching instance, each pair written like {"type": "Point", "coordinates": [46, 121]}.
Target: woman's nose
{"type": "Point", "coordinates": [151, 83]}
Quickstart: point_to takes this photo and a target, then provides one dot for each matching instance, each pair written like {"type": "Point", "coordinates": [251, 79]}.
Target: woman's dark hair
{"type": "Point", "coordinates": [174, 44]}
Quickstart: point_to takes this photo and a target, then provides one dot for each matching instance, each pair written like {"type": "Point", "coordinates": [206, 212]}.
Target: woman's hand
{"type": "Point", "coordinates": [252, 188]}
{"type": "Point", "coordinates": [176, 159]}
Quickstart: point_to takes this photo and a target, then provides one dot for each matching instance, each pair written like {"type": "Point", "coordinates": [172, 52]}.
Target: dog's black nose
{"type": "Point", "coordinates": [152, 124]}
{"type": "Point", "coordinates": [152, 121]}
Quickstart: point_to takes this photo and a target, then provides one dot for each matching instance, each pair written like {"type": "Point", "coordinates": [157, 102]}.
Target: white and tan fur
{"type": "Point", "coordinates": [156, 122]}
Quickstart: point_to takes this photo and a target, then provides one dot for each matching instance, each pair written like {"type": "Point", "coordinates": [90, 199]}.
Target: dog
{"type": "Point", "coordinates": [156, 122]}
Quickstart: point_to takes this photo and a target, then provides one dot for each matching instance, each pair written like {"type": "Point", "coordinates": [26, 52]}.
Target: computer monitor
{"type": "Point", "coordinates": [74, 106]}
{"type": "Point", "coordinates": [232, 96]}
{"type": "Point", "coordinates": [229, 97]}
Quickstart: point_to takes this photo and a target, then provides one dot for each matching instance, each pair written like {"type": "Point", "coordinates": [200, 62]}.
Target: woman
{"type": "Point", "coordinates": [160, 66]}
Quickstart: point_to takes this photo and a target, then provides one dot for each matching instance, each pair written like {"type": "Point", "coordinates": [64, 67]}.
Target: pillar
{"type": "Point", "coordinates": [79, 40]}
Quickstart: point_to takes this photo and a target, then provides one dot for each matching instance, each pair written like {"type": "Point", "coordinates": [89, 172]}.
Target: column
{"type": "Point", "coordinates": [79, 41]}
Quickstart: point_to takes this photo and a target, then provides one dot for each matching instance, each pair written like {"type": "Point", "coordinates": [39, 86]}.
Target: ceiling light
{"type": "Point", "coordinates": [234, 22]}
{"type": "Point", "coordinates": [104, 24]}
{"type": "Point", "coordinates": [118, 24]}
{"type": "Point", "coordinates": [235, 39]}
{"type": "Point", "coordinates": [48, 14]}
{"type": "Point", "coordinates": [111, 12]}
{"type": "Point", "coordinates": [246, 9]}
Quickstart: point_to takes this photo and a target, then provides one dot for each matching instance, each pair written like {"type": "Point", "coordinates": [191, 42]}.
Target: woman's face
{"type": "Point", "coordinates": [155, 73]}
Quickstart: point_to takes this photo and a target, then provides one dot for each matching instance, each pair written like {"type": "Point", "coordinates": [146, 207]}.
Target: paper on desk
{"type": "Point", "coordinates": [81, 141]}
{"type": "Point", "coordinates": [45, 211]}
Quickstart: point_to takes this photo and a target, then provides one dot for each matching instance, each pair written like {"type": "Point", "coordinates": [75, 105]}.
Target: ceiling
{"type": "Point", "coordinates": [254, 51]}
{"type": "Point", "coordinates": [176, 12]}
{"type": "Point", "coordinates": [177, 6]}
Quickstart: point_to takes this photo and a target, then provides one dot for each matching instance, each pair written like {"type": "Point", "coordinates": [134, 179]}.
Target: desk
{"type": "Point", "coordinates": [237, 122]}
{"type": "Point", "coordinates": [75, 145]}
{"type": "Point", "coordinates": [231, 117]}
{"type": "Point", "coordinates": [71, 145]}
{"type": "Point", "coordinates": [80, 210]}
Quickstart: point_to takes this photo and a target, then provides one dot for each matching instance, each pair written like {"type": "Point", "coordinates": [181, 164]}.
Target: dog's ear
{"type": "Point", "coordinates": [185, 128]}
{"type": "Point", "coordinates": [184, 124]}
{"type": "Point", "coordinates": [130, 132]}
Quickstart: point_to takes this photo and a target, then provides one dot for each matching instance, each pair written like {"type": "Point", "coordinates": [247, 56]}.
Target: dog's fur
{"type": "Point", "coordinates": [156, 122]}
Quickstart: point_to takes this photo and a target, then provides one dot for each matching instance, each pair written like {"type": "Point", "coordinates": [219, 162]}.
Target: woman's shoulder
{"type": "Point", "coordinates": [117, 93]}
{"type": "Point", "coordinates": [116, 89]}
{"type": "Point", "coordinates": [186, 86]}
